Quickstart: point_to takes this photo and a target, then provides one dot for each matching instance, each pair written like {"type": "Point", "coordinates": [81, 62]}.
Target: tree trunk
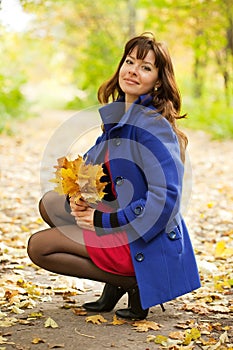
{"type": "Point", "coordinates": [199, 65]}
{"type": "Point", "coordinates": [131, 5]}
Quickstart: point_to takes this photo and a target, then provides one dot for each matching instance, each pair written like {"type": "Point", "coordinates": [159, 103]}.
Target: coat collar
{"type": "Point", "coordinates": [114, 113]}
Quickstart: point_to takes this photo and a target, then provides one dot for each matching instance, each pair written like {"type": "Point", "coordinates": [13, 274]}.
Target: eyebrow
{"type": "Point", "coordinates": [146, 62]}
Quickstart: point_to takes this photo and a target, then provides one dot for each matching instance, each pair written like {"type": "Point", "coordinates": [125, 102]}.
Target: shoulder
{"type": "Point", "coordinates": [156, 133]}
{"type": "Point", "coordinates": [150, 122]}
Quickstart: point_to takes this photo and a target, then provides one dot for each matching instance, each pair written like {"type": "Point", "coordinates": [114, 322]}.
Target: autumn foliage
{"type": "Point", "coordinates": [77, 179]}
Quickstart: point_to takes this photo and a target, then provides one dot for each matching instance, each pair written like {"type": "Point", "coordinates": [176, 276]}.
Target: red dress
{"type": "Point", "coordinates": [110, 252]}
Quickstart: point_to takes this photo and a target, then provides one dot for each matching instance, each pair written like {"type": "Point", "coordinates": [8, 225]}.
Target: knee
{"type": "Point", "coordinates": [35, 249]}
{"type": "Point", "coordinates": [46, 202]}
{"type": "Point", "coordinates": [47, 207]}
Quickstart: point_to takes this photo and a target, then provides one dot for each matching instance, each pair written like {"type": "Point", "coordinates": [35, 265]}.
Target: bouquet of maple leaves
{"type": "Point", "coordinates": [77, 179]}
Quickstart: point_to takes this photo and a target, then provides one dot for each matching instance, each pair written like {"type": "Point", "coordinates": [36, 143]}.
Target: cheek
{"type": "Point", "coordinates": [147, 83]}
{"type": "Point", "coordinates": [122, 71]}
{"type": "Point", "coordinates": [121, 75]}
{"type": "Point", "coordinates": [150, 82]}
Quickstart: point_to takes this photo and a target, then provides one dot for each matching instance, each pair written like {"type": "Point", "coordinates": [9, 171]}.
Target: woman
{"type": "Point", "coordinates": [136, 240]}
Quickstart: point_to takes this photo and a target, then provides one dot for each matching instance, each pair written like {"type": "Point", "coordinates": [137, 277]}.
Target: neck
{"type": "Point", "coordinates": [127, 105]}
{"type": "Point", "coordinates": [129, 100]}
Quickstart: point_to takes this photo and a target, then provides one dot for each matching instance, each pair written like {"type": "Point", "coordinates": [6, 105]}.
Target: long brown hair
{"type": "Point", "coordinates": [166, 99]}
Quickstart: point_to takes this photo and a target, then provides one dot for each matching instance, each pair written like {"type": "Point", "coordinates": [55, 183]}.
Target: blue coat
{"type": "Point", "coordinates": [147, 172]}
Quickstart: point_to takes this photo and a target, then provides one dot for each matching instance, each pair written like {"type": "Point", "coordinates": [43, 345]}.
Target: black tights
{"type": "Point", "coordinates": [61, 247]}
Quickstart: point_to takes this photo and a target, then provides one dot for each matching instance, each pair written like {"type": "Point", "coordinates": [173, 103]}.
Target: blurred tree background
{"type": "Point", "coordinates": [65, 49]}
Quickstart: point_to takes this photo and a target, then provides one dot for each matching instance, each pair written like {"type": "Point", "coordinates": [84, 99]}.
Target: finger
{"type": "Point", "coordinates": [81, 202]}
{"type": "Point", "coordinates": [85, 225]}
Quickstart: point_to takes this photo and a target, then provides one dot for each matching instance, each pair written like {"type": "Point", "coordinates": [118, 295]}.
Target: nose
{"type": "Point", "coordinates": [133, 69]}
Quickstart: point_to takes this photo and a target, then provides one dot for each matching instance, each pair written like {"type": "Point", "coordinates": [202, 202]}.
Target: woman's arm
{"type": "Point", "coordinates": [157, 155]}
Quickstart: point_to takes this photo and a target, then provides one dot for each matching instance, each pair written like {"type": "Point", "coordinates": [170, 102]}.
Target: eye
{"type": "Point", "coordinates": [128, 61]}
{"type": "Point", "coordinates": [147, 68]}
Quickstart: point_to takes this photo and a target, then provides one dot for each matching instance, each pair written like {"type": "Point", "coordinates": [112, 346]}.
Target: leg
{"type": "Point", "coordinates": [52, 210]}
{"type": "Point", "coordinates": [62, 250]}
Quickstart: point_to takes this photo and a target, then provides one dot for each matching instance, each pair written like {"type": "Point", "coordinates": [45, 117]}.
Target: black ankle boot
{"type": "Point", "coordinates": [107, 301]}
{"type": "Point", "coordinates": [135, 311]}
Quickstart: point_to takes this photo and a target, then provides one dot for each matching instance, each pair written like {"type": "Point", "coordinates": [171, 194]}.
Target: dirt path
{"type": "Point", "coordinates": [29, 296]}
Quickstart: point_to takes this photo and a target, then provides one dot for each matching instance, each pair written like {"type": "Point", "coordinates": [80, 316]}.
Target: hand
{"type": "Point", "coordinates": [83, 213]}
{"type": "Point", "coordinates": [85, 218]}
{"type": "Point", "coordinates": [77, 205]}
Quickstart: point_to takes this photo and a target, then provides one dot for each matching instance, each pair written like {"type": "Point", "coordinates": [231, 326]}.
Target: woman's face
{"type": "Point", "coordinates": [138, 77]}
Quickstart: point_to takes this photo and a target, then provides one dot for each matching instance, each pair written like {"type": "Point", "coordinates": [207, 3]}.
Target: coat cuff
{"type": "Point", "coordinates": [108, 222]}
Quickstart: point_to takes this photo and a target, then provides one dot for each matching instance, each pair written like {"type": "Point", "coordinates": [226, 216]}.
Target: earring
{"type": "Point", "coordinates": [156, 89]}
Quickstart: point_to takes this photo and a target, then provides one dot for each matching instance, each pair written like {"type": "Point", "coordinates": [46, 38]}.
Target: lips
{"type": "Point", "coordinates": [131, 81]}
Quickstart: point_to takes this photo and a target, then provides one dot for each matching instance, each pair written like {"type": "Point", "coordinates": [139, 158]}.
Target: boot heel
{"type": "Point", "coordinates": [162, 307]}
{"type": "Point", "coordinates": [135, 311]}
{"type": "Point", "coordinates": [109, 298]}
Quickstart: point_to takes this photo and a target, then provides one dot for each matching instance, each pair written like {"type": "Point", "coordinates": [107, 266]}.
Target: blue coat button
{"type": "Point", "coordinates": [117, 141]}
{"type": "Point", "coordinates": [119, 181]}
{"type": "Point", "coordinates": [172, 235]}
{"type": "Point", "coordinates": [138, 210]}
{"type": "Point", "coordinates": [139, 257]}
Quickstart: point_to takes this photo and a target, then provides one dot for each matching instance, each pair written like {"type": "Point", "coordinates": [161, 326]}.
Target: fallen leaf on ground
{"type": "Point", "coordinates": [50, 323]}
{"type": "Point", "coordinates": [219, 308]}
{"type": "Point", "coordinates": [4, 340]}
{"type": "Point", "coordinates": [220, 344]}
{"type": "Point", "coordinates": [116, 321]}
{"type": "Point", "coordinates": [177, 335]}
{"type": "Point", "coordinates": [34, 315]}
{"type": "Point", "coordinates": [160, 339]}
{"type": "Point", "coordinates": [17, 310]}
{"type": "Point", "coordinates": [222, 251]}
{"type": "Point", "coordinates": [96, 319]}
{"type": "Point", "coordinates": [191, 334]}
{"type": "Point", "coordinates": [37, 341]}
{"type": "Point", "coordinates": [79, 312]}
{"type": "Point", "coordinates": [9, 321]}
{"type": "Point", "coordinates": [144, 326]}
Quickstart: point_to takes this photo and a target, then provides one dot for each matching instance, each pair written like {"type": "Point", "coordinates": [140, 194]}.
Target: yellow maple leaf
{"type": "Point", "coordinates": [191, 334]}
{"type": "Point", "coordinates": [79, 312]}
{"type": "Point", "coordinates": [161, 339]}
{"type": "Point", "coordinates": [144, 326]}
{"type": "Point", "coordinates": [66, 175]}
{"type": "Point", "coordinates": [37, 341]}
{"type": "Point", "coordinates": [33, 315]}
{"type": "Point", "coordinates": [89, 181]}
{"type": "Point", "coordinates": [96, 319]}
{"type": "Point", "coordinates": [222, 251]}
{"type": "Point", "coordinates": [8, 322]}
{"type": "Point", "coordinates": [50, 323]}
{"type": "Point", "coordinates": [68, 182]}
{"type": "Point", "coordinates": [117, 322]}
{"type": "Point", "coordinates": [179, 335]}
{"type": "Point", "coordinates": [79, 180]}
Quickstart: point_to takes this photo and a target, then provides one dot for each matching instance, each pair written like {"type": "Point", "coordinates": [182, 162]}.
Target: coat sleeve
{"type": "Point", "coordinates": [163, 173]}
{"type": "Point", "coordinates": [158, 156]}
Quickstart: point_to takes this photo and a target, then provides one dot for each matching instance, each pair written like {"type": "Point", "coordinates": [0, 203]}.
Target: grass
{"type": "Point", "coordinates": [213, 117]}
{"type": "Point", "coordinates": [207, 113]}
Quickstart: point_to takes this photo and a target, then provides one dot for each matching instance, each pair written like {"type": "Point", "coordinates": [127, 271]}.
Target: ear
{"type": "Point", "coordinates": [158, 84]}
